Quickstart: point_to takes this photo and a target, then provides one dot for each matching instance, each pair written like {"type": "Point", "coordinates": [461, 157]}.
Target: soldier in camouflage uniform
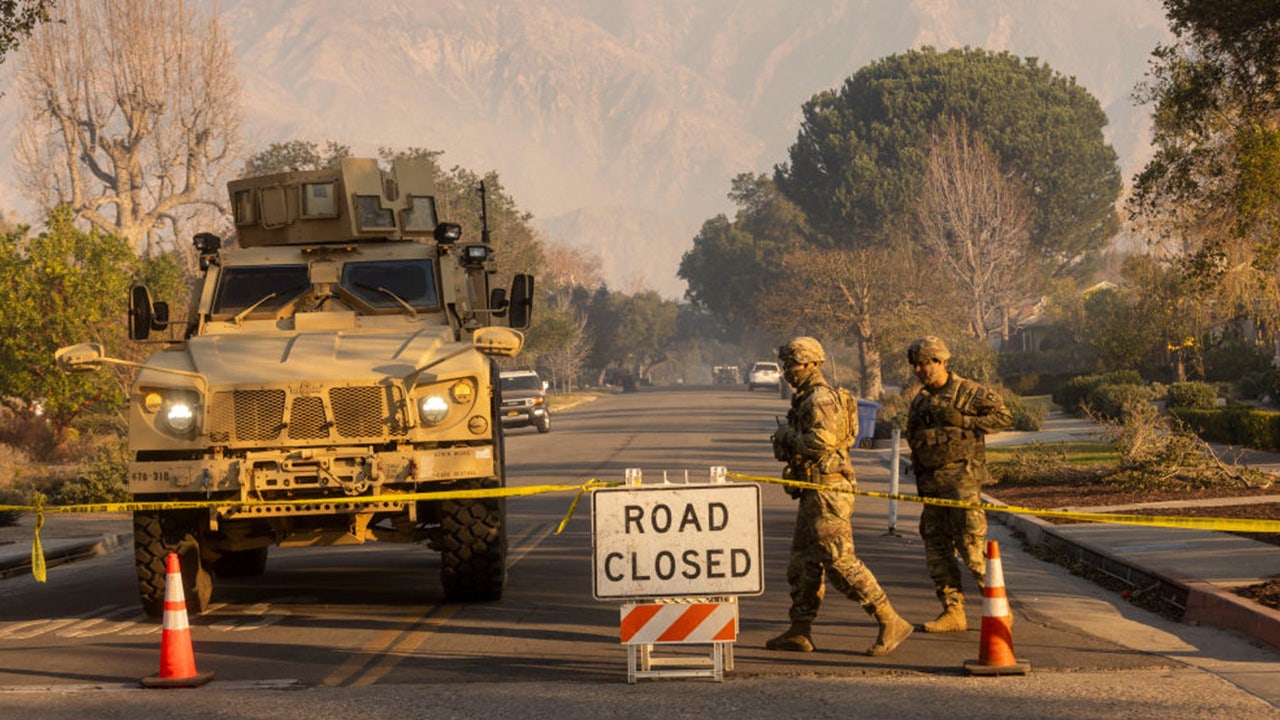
{"type": "Point", "coordinates": [814, 443]}
{"type": "Point", "coordinates": [946, 426]}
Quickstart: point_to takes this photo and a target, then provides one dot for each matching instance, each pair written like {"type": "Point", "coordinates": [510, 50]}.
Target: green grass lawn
{"type": "Point", "coordinates": [1073, 453]}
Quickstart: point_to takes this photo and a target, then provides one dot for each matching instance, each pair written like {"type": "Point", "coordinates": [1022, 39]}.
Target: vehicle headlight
{"type": "Point", "coordinates": [180, 417]}
{"type": "Point", "coordinates": [433, 409]}
{"type": "Point", "coordinates": [175, 411]}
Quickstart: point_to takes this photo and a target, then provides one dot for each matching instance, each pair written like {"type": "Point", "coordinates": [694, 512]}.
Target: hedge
{"type": "Point", "coordinates": [1241, 426]}
{"type": "Point", "coordinates": [1076, 391]}
{"type": "Point", "coordinates": [1192, 395]}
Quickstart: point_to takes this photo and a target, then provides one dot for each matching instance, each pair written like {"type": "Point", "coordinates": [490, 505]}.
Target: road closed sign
{"type": "Point", "coordinates": [667, 541]}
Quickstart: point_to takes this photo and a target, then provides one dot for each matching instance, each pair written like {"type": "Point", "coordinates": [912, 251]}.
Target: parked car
{"type": "Point", "coordinates": [765, 375]}
{"type": "Point", "coordinates": [524, 400]}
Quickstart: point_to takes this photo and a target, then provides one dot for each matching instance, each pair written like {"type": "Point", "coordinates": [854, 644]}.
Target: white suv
{"type": "Point", "coordinates": [765, 375]}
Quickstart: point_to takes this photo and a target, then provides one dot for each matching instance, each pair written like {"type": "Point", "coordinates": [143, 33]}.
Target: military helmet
{"type": "Point", "coordinates": [802, 350]}
{"type": "Point", "coordinates": [928, 347]}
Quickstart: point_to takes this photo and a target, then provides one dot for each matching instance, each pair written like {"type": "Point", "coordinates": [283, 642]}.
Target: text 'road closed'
{"type": "Point", "coordinates": [685, 541]}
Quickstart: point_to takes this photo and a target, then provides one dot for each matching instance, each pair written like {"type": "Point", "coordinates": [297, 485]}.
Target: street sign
{"type": "Point", "coordinates": [666, 541]}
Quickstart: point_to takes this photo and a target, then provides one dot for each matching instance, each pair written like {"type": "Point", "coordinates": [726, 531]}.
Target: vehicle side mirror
{"type": "Point", "coordinates": [498, 302]}
{"type": "Point", "coordinates": [521, 305]}
{"type": "Point", "coordinates": [141, 313]}
{"type": "Point", "coordinates": [79, 358]}
{"type": "Point", "coordinates": [499, 341]}
{"type": "Point", "coordinates": [159, 315]}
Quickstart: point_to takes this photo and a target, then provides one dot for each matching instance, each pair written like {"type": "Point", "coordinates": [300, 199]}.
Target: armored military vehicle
{"type": "Point", "coordinates": [339, 358]}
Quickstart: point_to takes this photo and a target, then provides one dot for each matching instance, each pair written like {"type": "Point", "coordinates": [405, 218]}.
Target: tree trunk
{"type": "Point", "coordinates": [871, 378]}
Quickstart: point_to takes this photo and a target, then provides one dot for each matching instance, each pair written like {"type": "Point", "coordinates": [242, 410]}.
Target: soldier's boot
{"type": "Point", "coordinates": [796, 638]}
{"type": "Point", "coordinates": [893, 630]}
{"type": "Point", "coordinates": [950, 620]}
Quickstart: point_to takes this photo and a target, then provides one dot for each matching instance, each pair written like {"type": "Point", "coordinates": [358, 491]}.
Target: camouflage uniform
{"type": "Point", "coordinates": [814, 443]}
{"type": "Point", "coordinates": [946, 427]}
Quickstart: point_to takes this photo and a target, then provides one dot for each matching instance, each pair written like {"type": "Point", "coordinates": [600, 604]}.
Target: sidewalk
{"type": "Point", "coordinates": [1194, 570]}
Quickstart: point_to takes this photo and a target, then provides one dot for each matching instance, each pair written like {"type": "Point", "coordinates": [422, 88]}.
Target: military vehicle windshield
{"type": "Point", "coordinates": [413, 281]}
{"type": "Point", "coordinates": [380, 284]}
{"type": "Point", "coordinates": [240, 287]}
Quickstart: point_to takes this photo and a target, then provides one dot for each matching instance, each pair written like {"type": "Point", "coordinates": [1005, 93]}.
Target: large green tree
{"type": "Point", "coordinates": [631, 333]}
{"type": "Point", "coordinates": [857, 165]}
{"type": "Point", "coordinates": [295, 155]}
{"type": "Point", "coordinates": [1212, 189]}
{"type": "Point", "coordinates": [732, 263]}
{"type": "Point", "coordinates": [63, 286]}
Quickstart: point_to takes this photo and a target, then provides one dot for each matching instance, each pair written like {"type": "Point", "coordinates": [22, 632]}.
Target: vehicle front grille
{"type": "Point", "coordinates": [246, 415]}
{"type": "Point", "coordinates": [364, 413]}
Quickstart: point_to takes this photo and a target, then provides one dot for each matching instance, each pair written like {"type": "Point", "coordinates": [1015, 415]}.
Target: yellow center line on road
{"type": "Point", "coordinates": [524, 546]}
{"type": "Point", "coordinates": [382, 653]}
{"type": "Point", "coordinates": [406, 643]}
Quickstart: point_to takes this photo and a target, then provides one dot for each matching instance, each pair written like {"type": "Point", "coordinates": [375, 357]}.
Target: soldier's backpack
{"type": "Point", "coordinates": [850, 405]}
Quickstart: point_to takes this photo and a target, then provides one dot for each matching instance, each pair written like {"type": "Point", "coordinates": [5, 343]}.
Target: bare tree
{"type": "Point", "coordinates": [565, 357]}
{"type": "Point", "coordinates": [876, 294]}
{"type": "Point", "coordinates": [566, 270]}
{"type": "Point", "coordinates": [975, 221]}
{"type": "Point", "coordinates": [131, 115]}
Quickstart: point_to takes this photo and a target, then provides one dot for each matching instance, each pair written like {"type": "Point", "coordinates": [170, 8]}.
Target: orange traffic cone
{"type": "Point", "coordinates": [995, 650]}
{"type": "Point", "coordinates": [177, 661]}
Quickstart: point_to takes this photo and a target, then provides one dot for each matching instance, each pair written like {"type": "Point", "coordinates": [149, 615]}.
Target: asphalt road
{"type": "Point", "coordinates": [365, 629]}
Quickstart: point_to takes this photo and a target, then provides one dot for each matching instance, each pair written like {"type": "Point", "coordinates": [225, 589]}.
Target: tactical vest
{"type": "Point", "coordinates": [935, 445]}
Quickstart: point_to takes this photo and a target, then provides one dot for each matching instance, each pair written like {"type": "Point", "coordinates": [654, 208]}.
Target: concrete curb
{"type": "Point", "coordinates": [1208, 605]}
{"type": "Point", "coordinates": [17, 561]}
{"type": "Point", "coordinates": [1202, 603]}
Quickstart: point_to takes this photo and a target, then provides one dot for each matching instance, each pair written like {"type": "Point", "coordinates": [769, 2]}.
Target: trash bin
{"type": "Point", "coordinates": [867, 410]}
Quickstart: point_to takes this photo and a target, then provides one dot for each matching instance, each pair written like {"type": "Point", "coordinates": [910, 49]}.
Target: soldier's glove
{"type": "Point", "coordinates": [950, 416]}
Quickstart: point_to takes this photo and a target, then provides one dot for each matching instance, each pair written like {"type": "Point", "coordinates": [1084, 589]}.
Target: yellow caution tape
{"type": "Point", "coordinates": [39, 570]}
{"type": "Point", "coordinates": [37, 553]}
{"type": "Point", "coordinates": [1248, 525]}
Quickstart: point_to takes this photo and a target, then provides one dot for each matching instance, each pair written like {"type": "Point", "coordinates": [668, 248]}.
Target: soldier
{"type": "Point", "coordinates": [946, 426]}
{"type": "Point", "coordinates": [814, 443]}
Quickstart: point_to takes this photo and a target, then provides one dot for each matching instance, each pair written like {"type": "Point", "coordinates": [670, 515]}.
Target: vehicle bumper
{"type": "Point", "coordinates": [523, 417]}
{"type": "Point", "coordinates": [294, 473]}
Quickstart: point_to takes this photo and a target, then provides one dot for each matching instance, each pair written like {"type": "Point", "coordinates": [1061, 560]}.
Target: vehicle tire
{"type": "Point", "coordinates": [241, 563]}
{"type": "Point", "coordinates": [473, 532]}
{"type": "Point", "coordinates": [473, 540]}
{"type": "Point", "coordinates": [544, 424]}
{"type": "Point", "coordinates": [155, 535]}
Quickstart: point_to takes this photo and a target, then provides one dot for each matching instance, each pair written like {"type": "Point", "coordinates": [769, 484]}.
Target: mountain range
{"type": "Point", "coordinates": [618, 124]}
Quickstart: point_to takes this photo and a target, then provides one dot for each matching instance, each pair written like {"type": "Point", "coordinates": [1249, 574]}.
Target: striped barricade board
{"type": "Point", "coordinates": [697, 622]}
{"type": "Point", "coordinates": [710, 622]}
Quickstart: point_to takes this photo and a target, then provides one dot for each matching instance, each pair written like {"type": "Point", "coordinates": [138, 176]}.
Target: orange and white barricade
{"type": "Point", "coordinates": [712, 621]}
